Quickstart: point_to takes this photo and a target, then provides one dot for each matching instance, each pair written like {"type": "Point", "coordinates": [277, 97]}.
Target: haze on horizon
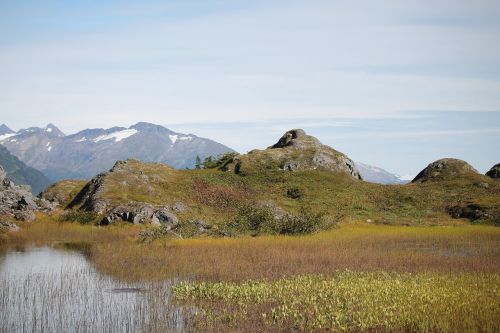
{"type": "Point", "coordinates": [391, 84]}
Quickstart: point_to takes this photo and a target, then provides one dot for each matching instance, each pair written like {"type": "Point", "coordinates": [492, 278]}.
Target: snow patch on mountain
{"type": "Point", "coordinates": [6, 136]}
{"type": "Point", "coordinates": [173, 138]}
{"type": "Point", "coordinates": [405, 178]}
{"type": "Point", "coordinates": [117, 136]}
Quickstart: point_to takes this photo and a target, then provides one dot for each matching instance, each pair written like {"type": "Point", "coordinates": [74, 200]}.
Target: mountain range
{"type": "Point", "coordinates": [378, 175]}
{"type": "Point", "coordinates": [91, 151]}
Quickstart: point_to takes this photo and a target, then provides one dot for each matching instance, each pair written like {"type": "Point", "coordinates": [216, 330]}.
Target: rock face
{"type": "Point", "coordinates": [294, 151]}
{"type": "Point", "coordinates": [494, 172]}
{"type": "Point", "coordinates": [446, 168]}
{"type": "Point", "coordinates": [92, 151]}
{"type": "Point", "coordinates": [18, 202]}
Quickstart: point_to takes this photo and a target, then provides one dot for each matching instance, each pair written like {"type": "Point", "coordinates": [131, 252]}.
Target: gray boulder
{"type": "Point", "coordinates": [140, 213]}
{"type": "Point", "coordinates": [164, 218]}
{"type": "Point", "coordinates": [18, 202]}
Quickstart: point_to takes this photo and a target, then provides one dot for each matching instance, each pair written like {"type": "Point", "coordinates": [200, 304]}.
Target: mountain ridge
{"type": "Point", "coordinates": [88, 152]}
{"type": "Point", "coordinates": [20, 173]}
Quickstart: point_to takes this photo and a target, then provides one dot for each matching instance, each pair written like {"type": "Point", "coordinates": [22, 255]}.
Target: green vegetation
{"type": "Point", "coordinates": [79, 216]}
{"type": "Point", "coordinates": [351, 302]}
{"type": "Point", "coordinates": [219, 162]}
{"type": "Point", "coordinates": [216, 197]}
{"type": "Point", "coordinates": [63, 191]}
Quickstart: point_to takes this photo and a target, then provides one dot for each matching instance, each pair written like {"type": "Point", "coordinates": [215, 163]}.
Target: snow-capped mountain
{"type": "Point", "coordinates": [91, 151]}
{"type": "Point", "coordinates": [378, 175]}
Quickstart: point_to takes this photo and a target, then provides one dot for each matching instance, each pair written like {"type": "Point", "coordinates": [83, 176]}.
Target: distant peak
{"type": "Point", "coordinates": [149, 127]}
{"type": "Point", "coordinates": [53, 130]}
{"type": "Point", "coordinates": [4, 129]}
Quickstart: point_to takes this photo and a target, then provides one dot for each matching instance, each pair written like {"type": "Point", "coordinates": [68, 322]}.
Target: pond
{"type": "Point", "coordinates": [52, 290]}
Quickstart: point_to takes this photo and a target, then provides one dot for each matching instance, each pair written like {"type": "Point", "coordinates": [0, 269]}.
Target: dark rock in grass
{"type": "Point", "coordinates": [27, 202]}
{"type": "Point", "coordinates": [202, 226]}
{"type": "Point", "coordinates": [446, 168]}
{"type": "Point", "coordinates": [472, 212]}
{"type": "Point", "coordinates": [494, 172]}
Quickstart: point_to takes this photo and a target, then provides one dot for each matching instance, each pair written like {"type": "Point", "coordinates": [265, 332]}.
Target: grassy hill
{"type": "Point", "coordinates": [220, 198]}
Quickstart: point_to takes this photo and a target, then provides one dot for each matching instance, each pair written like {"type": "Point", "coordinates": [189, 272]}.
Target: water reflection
{"type": "Point", "coordinates": [49, 290]}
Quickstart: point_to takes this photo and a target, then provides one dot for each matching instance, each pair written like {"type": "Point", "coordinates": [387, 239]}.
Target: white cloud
{"type": "Point", "coordinates": [269, 60]}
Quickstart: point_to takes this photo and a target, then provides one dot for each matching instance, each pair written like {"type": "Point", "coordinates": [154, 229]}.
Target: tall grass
{"type": "Point", "coordinates": [452, 271]}
{"type": "Point", "coordinates": [359, 248]}
{"type": "Point", "coordinates": [72, 297]}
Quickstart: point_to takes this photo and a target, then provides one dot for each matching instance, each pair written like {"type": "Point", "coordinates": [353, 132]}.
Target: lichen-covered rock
{"type": "Point", "coordinates": [164, 217]}
{"type": "Point", "coordinates": [446, 168]}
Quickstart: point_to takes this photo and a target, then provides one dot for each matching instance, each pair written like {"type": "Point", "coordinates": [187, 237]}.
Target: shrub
{"type": "Point", "coordinates": [220, 161]}
{"type": "Point", "coordinates": [303, 223]}
{"type": "Point", "coordinates": [82, 217]}
{"type": "Point", "coordinates": [254, 218]}
{"type": "Point", "coordinates": [294, 193]}
{"type": "Point", "coordinates": [216, 195]}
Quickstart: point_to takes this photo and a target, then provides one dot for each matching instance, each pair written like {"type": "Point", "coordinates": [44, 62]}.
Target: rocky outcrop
{"type": "Point", "coordinates": [294, 151]}
{"type": "Point", "coordinates": [93, 197]}
{"type": "Point", "coordinates": [446, 168]}
{"type": "Point", "coordinates": [140, 213]}
{"type": "Point", "coordinates": [18, 203]}
{"type": "Point", "coordinates": [494, 172]}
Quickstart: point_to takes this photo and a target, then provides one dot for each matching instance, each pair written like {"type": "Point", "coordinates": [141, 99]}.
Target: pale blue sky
{"type": "Point", "coordinates": [235, 63]}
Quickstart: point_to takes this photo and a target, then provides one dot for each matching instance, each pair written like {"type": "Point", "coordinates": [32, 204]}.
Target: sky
{"type": "Point", "coordinates": [395, 84]}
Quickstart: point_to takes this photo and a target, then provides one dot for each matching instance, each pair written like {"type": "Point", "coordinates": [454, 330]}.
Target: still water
{"type": "Point", "coordinates": [51, 290]}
